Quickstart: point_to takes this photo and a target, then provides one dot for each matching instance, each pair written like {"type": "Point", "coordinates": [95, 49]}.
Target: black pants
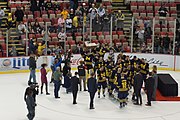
{"type": "Point", "coordinates": [138, 96]}
{"type": "Point", "coordinates": [149, 97]}
{"type": "Point", "coordinates": [74, 96]}
{"type": "Point", "coordinates": [46, 87]}
{"type": "Point", "coordinates": [92, 94]}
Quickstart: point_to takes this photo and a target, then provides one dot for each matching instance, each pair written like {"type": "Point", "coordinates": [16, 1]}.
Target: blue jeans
{"type": "Point", "coordinates": [32, 75]}
{"type": "Point", "coordinates": [57, 84]}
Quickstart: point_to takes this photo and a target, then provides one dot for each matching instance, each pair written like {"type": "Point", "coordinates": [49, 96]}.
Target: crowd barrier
{"type": "Point", "coordinates": [20, 64]}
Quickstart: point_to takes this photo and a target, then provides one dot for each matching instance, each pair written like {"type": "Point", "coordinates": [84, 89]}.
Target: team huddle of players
{"type": "Point", "coordinates": [116, 76]}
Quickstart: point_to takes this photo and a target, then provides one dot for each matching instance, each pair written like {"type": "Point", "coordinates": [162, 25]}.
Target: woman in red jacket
{"type": "Point", "coordinates": [44, 78]}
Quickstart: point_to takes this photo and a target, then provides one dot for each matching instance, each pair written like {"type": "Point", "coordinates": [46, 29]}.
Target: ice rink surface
{"type": "Point", "coordinates": [13, 107]}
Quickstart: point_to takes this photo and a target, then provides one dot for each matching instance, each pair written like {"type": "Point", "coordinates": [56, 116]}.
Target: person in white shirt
{"type": "Point", "coordinates": [93, 11]}
{"type": "Point", "coordinates": [22, 28]}
{"type": "Point", "coordinates": [140, 33]}
{"type": "Point", "coordinates": [68, 24]}
{"type": "Point", "coordinates": [101, 11]}
{"type": "Point", "coordinates": [62, 38]}
{"type": "Point", "coordinates": [2, 14]}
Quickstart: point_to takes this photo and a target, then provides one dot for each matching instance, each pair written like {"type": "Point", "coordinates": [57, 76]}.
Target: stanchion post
{"type": "Point", "coordinates": [7, 40]}
{"type": "Point", "coordinates": [111, 31]}
{"type": "Point", "coordinates": [174, 38]}
{"type": "Point", "coordinates": [90, 28]}
{"type": "Point", "coordinates": [132, 32]}
{"type": "Point", "coordinates": [153, 33]}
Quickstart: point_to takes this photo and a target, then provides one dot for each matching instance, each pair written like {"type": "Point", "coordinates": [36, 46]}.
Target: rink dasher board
{"type": "Point", "coordinates": [20, 64]}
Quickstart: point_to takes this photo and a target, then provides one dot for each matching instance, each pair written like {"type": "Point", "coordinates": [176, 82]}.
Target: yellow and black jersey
{"type": "Point", "coordinates": [100, 64]}
{"type": "Point", "coordinates": [112, 75]}
{"type": "Point", "coordinates": [122, 84]}
{"type": "Point", "coordinates": [126, 63]}
{"type": "Point", "coordinates": [120, 64]}
{"type": "Point", "coordinates": [101, 76]}
{"type": "Point", "coordinates": [88, 59]}
{"type": "Point", "coordinates": [144, 68]}
{"type": "Point", "coordinates": [102, 52]}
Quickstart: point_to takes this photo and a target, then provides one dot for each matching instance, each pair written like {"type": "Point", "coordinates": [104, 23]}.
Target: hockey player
{"type": "Point", "coordinates": [88, 59]}
{"type": "Point", "coordinates": [101, 74]}
{"type": "Point", "coordinates": [144, 68]}
{"type": "Point", "coordinates": [112, 78]}
{"type": "Point", "coordinates": [122, 86]}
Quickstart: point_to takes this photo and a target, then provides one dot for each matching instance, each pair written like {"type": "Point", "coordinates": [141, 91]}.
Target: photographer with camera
{"type": "Point", "coordinates": [34, 87]}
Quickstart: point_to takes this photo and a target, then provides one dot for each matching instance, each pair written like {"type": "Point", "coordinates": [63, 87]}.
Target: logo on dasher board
{"type": "Point", "coordinates": [20, 62]}
{"type": "Point", "coordinates": [6, 62]}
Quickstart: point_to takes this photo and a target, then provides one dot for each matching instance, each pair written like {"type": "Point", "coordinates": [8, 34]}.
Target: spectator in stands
{"type": "Point", "coordinates": [2, 14]}
{"type": "Point", "coordinates": [48, 5]}
{"type": "Point", "coordinates": [40, 49]}
{"type": "Point", "coordinates": [97, 23]}
{"type": "Point", "coordinates": [78, 12]}
{"type": "Point", "coordinates": [68, 22]}
{"type": "Point", "coordinates": [33, 6]}
{"type": "Point", "coordinates": [21, 29]}
{"type": "Point", "coordinates": [140, 33]}
{"type": "Point", "coordinates": [19, 14]}
{"type": "Point", "coordinates": [148, 33]}
{"type": "Point", "coordinates": [64, 13]}
{"type": "Point", "coordinates": [120, 20]}
{"type": "Point", "coordinates": [166, 43]}
{"type": "Point", "coordinates": [61, 22]}
{"type": "Point", "coordinates": [56, 6]}
{"type": "Point", "coordinates": [163, 11]}
{"type": "Point", "coordinates": [75, 23]}
{"type": "Point", "coordinates": [143, 47]}
{"type": "Point", "coordinates": [62, 37]}
{"type": "Point", "coordinates": [9, 21]}
{"type": "Point", "coordinates": [71, 4]}
{"type": "Point", "coordinates": [101, 11]}
{"type": "Point", "coordinates": [157, 43]}
{"type": "Point", "coordinates": [37, 29]}
{"type": "Point", "coordinates": [149, 48]}
{"type": "Point", "coordinates": [13, 52]}
{"type": "Point", "coordinates": [30, 27]}
{"type": "Point", "coordinates": [106, 21]}
{"type": "Point", "coordinates": [93, 11]}
{"type": "Point", "coordinates": [90, 3]}
{"type": "Point", "coordinates": [32, 46]}
{"type": "Point", "coordinates": [84, 21]}
{"type": "Point", "coordinates": [51, 28]}
{"type": "Point", "coordinates": [71, 13]}
{"type": "Point", "coordinates": [83, 8]}
{"type": "Point", "coordinates": [41, 5]}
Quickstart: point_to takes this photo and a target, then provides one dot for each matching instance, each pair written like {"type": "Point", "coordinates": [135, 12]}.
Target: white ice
{"type": "Point", "coordinates": [13, 107]}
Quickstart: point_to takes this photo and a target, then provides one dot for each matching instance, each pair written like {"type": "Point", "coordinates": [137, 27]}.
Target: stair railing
{"type": "Point", "coordinates": [7, 40]}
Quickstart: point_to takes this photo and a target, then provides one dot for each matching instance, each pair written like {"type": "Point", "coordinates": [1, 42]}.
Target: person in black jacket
{"type": "Point", "coordinates": [92, 88]}
{"type": "Point", "coordinates": [41, 5]}
{"type": "Point", "coordinates": [19, 14]}
{"type": "Point", "coordinates": [32, 68]}
{"type": "Point", "coordinates": [34, 6]}
{"type": "Point", "coordinates": [30, 106]}
{"type": "Point", "coordinates": [149, 86]}
{"type": "Point", "coordinates": [74, 87]}
{"type": "Point", "coordinates": [34, 88]}
{"type": "Point", "coordinates": [82, 75]}
{"type": "Point", "coordinates": [138, 82]}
